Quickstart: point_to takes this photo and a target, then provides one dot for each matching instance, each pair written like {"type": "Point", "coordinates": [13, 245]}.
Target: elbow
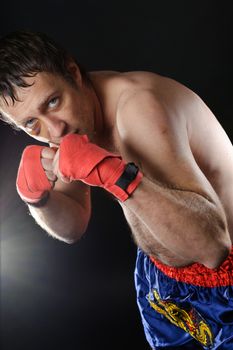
{"type": "Point", "coordinates": [217, 255]}
{"type": "Point", "coordinates": [70, 240]}
{"type": "Point", "coordinates": [78, 227]}
{"type": "Point", "coordinates": [219, 246]}
{"type": "Point", "coordinates": [75, 235]}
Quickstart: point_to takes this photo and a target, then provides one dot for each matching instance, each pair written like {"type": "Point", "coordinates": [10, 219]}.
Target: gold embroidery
{"type": "Point", "coordinates": [189, 320]}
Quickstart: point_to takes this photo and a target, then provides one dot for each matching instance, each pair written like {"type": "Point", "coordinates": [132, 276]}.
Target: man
{"type": "Point", "coordinates": [158, 149]}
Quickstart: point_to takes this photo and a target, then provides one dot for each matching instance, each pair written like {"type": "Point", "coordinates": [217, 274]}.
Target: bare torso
{"type": "Point", "coordinates": [209, 143]}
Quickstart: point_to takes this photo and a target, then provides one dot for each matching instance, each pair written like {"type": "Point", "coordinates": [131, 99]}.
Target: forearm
{"type": "Point", "coordinates": [185, 223]}
{"type": "Point", "coordinates": [62, 217]}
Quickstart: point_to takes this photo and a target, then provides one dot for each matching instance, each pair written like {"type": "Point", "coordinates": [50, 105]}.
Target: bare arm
{"type": "Point", "coordinates": [175, 201]}
{"type": "Point", "coordinates": [67, 212]}
{"type": "Point", "coordinates": [185, 223]}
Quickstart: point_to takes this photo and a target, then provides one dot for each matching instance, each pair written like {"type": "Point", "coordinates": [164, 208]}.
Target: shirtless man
{"type": "Point", "coordinates": [160, 151]}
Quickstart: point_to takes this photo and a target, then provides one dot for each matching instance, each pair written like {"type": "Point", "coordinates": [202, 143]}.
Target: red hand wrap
{"type": "Point", "coordinates": [85, 161]}
{"type": "Point", "coordinates": [32, 182]}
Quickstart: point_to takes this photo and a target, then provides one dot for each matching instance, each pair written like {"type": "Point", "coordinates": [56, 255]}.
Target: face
{"type": "Point", "coordinates": [51, 108]}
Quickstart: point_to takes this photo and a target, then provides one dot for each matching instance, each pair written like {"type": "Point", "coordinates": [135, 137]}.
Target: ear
{"type": "Point", "coordinates": [75, 72]}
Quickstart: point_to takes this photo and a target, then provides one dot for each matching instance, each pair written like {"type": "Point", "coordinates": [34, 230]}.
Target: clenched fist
{"type": "Point", "coordinates": [35, 174]}
{"type": "Point", "coordinates": [80, 160]}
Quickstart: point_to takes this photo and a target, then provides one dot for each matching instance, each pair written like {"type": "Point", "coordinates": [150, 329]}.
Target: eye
{"type": "Point", "coordinates": [53, 102]}
{"type": "Point", "coordinates": [30, 123]}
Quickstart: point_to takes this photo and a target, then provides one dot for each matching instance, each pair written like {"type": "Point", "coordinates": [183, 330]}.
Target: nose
{"type": "Point", "coordinates": [56, 128]}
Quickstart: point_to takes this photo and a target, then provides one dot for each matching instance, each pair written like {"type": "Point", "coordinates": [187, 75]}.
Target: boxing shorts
{"type": "Point", "coordinates": [185, 308]}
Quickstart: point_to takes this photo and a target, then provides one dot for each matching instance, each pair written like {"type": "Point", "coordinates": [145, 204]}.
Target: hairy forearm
{"type": "Point", "coordinates": [62, 217]}
{"type": "Point", "coordinates": [185, 223]}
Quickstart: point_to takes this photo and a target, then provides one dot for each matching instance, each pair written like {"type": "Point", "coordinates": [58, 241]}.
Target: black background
{"type": "Point", "coordinates": [82, 296]}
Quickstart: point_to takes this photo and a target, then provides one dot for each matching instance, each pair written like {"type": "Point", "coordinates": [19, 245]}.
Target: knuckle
{"type": "Point", "coordinates": [46, 163]}
{"type": "Point", "coordinates": [51, 176]}
{"type": "Point", "coordinates": [48, 153]}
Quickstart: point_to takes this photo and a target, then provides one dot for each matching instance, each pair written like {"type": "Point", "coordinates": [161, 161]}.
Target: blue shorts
{"type": "Point", "coordinates": [185, 308]}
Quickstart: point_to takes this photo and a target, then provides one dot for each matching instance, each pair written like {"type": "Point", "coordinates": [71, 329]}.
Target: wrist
{"type": "Point", "coordinates": [127, 183]}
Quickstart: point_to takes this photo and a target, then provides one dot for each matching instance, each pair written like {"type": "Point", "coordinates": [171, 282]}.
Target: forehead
{"type": "Point", "coordinates": [37, 84]}
{"type": "Point", "coordinates": [30, 97]}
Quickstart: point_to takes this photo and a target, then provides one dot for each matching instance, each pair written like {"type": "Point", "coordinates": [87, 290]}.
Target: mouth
{"type": "Point", "coordinates": [56, 143]}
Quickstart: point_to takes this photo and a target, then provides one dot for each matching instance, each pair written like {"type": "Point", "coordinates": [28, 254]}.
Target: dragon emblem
{"type": "Point", "coordinates": [188, 319]}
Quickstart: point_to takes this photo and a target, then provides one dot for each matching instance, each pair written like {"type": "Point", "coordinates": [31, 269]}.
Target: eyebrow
{"type": "Point", "coordinates": [41, 106]}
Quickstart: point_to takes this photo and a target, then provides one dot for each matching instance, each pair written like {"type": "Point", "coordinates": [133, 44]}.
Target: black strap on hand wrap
{"type": "Point", "coordinates": [128, 176]}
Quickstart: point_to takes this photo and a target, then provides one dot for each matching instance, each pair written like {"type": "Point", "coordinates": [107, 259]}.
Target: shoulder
{"type": "Point", "coordinates": [161, 103]}
{"type": "Point", "coordinates": [143, 112]}
{"type": "Point", "coordinates": [151, 134]}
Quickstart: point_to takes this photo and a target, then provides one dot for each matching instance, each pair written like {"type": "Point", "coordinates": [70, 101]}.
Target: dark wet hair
{"type": "Point", "coordinates": [24, 54]}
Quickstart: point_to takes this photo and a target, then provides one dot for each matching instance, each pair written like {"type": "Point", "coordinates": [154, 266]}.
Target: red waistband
{"type": "Point", "coordinates": [200, 275]}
